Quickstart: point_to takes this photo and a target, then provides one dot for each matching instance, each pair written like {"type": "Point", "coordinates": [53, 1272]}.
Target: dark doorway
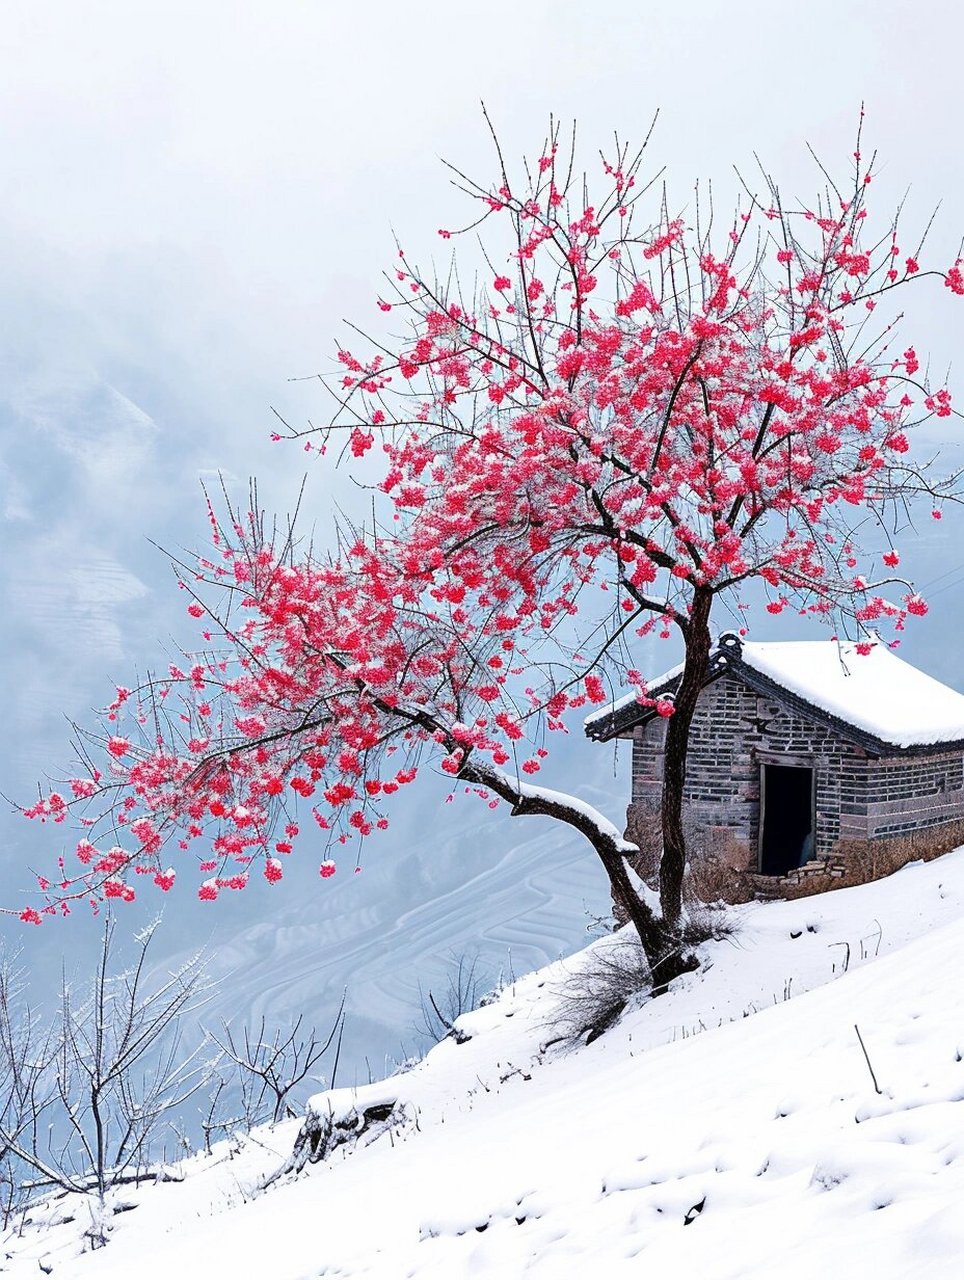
{"type": "Point", "coordinates": [786, 817]}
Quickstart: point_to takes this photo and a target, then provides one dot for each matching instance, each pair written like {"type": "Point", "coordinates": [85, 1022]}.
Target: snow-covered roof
{"type": "Point", "coordinates": [876, 694]}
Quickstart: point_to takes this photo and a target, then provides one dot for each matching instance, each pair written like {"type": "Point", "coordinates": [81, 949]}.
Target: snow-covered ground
{"type": "Point", "coordinates": [731, 1128]}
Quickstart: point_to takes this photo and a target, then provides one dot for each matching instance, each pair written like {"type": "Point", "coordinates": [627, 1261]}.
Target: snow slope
{"type": "Point", "coordinates": [741, 1101]}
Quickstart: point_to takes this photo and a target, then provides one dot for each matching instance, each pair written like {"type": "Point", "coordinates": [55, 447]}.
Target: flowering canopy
{"type": "Point", "coordinates": [621, 417]}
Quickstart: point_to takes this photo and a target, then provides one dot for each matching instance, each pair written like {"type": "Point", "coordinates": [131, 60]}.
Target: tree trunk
{"type": "Point", "coordinates": [695, 666]}
{"type": "Point", "coordinates": [653, 936]}
{"type": "Point", "coordinates": [659, 943]}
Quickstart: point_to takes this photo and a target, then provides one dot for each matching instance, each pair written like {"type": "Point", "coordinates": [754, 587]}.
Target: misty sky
{"type": "Point", "coordinates": [196, 194]}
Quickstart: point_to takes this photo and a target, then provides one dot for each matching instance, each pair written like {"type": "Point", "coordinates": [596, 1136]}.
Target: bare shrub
{"type": "Point", "coordinates": [615, 974]}
{"type": "Point", "coordinates": [711, 879]}
{"type": "Point", "coordinates": [866, 860]}
{"type": "Point", "coordinates": [706, 922]}
{"type": "Point", "coordinates": [593, 996]}
{"type": "Point", "coordinates": [26, 1092]}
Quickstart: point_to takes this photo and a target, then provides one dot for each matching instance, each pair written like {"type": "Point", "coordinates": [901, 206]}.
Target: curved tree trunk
{"type": "Point", "coordinates": [658, 942]}
{"type": "Point", "coordinates": [695, 666]}
{"type": "Point", "coordinates": [611, 850]}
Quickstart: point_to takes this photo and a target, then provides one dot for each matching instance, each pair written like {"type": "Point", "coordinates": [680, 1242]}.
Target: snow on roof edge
{"type": "Point", "coordinates": [888, 699]}
{"type": "Point", "coordinates": [596, 717]}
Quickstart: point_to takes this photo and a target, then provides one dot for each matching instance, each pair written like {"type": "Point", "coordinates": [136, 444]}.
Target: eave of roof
{"type": "Point", "coordinates": [621, 717]}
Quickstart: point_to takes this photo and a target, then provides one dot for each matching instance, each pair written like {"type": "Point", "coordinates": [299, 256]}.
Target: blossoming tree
{"type": "Point", "coordinates": [625, 416]}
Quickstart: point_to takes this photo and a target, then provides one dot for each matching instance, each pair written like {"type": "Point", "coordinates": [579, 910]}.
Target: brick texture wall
{"type": "Point", "coordinates": [858, 798]}
{"type": "Point", "coordinates": [908, 795]}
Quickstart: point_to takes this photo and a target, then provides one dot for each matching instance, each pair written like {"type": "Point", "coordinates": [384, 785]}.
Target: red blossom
{"type": "Point", "coordinates": [954, 278]}
{"type": "Point", "coordinates": [939, 403]}
{"type": "Point", "coordinates": [361, 442]}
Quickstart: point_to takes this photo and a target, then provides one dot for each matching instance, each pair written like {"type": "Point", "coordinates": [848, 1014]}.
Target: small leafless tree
{"type": "Point", "coordinates": [465, 987]}
{"type": "Point", "coordinates": [82, 1099]}
{"type": "Point", "coordinates": [26, 1090]}
{"type": "Point", "coordinates": [270, 1065]}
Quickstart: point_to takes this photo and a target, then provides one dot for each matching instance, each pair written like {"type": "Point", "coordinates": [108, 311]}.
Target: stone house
{"type": "Point", "coordinates": [808, 761]}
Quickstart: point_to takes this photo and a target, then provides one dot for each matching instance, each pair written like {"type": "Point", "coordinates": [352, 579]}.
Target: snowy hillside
{"type": "Point", "coordinates": [729, 1129]}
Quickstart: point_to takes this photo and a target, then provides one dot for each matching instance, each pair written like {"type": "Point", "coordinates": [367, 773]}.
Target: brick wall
{"type": "Point", "coordinates": [912, 794]}
{"type": "Point", "coordinates": [735, 730]}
